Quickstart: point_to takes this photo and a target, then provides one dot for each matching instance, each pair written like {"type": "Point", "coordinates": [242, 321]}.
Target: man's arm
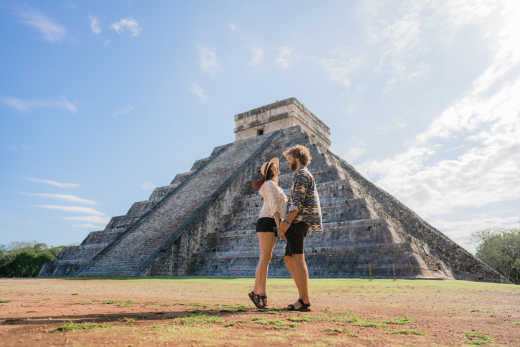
{"type": "Point", "coordinates": [296, 205]}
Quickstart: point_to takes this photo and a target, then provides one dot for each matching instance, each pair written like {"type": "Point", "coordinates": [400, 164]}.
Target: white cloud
{"type": "Point", "coordinates": [198, 91]}
{"type": "Point", "coordinates": [284, 56]}
{"type": "Point", "coordinates": [129, 24]}
{"type": "Point", "coordinates": [29, 105]}
{"type": "Point", "coordinates": [148, 185]}
{"type": "Point", "coordinates": [90, 219]}
{"type": "Point", "coordinates": [340, 65]}
{"type": "Point", "coordinates": [461, 231]}
{"type": "Point", "coordinates": [94, 25]}
{"type": "Point", "coordinates": [257, 56]}
{"type": "Point", "coordinates": [78, 209]}
{"type": "Point", "coordinates": [469, 156]}
{"type": "Point", "coordinates": [123, 111]}
{"type": "Point", "coordinates": [53, 183]}
{"type": "Point", "coordinates": [66, 197]}
{"type": "Point", "coordinates": [354, 152]}
{"type": "Point", "coordinates": [87, 226]}
{"type": "Point", "coordinates": [232, 27]}
{"type": "Point", "coordinates": [207, 59]}
{"type": "Point", "coordinates": [50, 31]}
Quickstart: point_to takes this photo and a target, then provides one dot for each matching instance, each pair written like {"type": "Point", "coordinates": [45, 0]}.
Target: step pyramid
{"type": "Point", "coordinates": [203, 222]}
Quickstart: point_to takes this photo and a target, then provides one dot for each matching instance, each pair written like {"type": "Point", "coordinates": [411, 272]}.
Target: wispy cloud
{"type": "Point", "coordinates": [257, 56]}
{"type": "Point", "coordinates": [78, 209]}
{"type": "Point", "coordinates": [88, 225]}
{"type": "Point", "coordinates": [53, 183]}
{"type": "Point", "coordinates": [232, 27]}
{"type": "Point", "coordinates": [207, 58]}
{"type": "Point", "coordinates": [66, 197]}
{"type": "Point", "coordinates": [484, 127]}
{"type": "Point", "coordinates": [90, 219]}
{"type": "Point", "coordinates": [198, 91]}
{"type": "Point", "coordinates": [28, 105]}
{"type": "Point", "coordinates": [461, 230]}
{"type": "Point", "coordinates": [50, 30]}
{"type": "Point", "coordinates": [148, 185]}
{"type": "Point", "coordinates": [123, 111]}
{"type": "Point", "coordinates": [354, 152]}
{"type": "Point", "coordinates": [94, 25]}
{"type": "Point", "coordinates": [340, 65]}
{"type": "Point", "coordinates": [125, 24]}
{"type": "Point", "coordinates": [284, 56]}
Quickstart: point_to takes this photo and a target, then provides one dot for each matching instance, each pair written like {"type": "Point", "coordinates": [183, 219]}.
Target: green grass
{"type": "Point", "coordinates": [129, 320]}
{"type": "Point", "coordinates": [408, 332]}
{"type": "Point", "coordinates": [477, 338]}
{"type": "Point", "coordinates": [120, 303]}
{"type": "Point", "coordinates": [516, 323]}
{"type": "Point", "coordinates": [277, 323]}
{"type": "Point", "coordinates": [338, 331]}
{"type": "Point", "coordinates": [71, 326]}
{"type": "Point", "coordinates": [343, 319]}
{"type": "Point", "coordinates": [306, 318]}
{"type": "Point", "coordinates": [198, 319]}
{"type": "Point", "coordinates": [368, 324]}
{"type": "Point", "coordinates": [233, 308]}
{"type": "Point", "coordinates": [398, 320]}
{"type": "Point", "coordinates": [479, 310]}
{"type": "Point", "coordinates": [2, 301]}
{"type": "Point", "coordinates": [233, 323]}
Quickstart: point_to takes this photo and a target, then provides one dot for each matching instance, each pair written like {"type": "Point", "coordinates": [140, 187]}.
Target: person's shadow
{"type": "Point", "coordinates": [114, 317]}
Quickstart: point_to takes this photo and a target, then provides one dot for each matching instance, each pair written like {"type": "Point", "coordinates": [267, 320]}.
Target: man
{"type": "Point", "coordinates": [303, 214]}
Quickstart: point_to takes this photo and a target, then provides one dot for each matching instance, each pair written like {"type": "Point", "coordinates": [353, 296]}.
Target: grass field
{"type": "Point", "coordinates": [217, 312]}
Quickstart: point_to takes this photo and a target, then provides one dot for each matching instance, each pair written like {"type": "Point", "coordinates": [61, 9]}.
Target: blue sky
{"type": "Point", "coordinates": [100, 102]}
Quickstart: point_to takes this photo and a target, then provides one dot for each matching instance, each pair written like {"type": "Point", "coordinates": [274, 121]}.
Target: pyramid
{"type": "Point", "coordinates": [203, 222]}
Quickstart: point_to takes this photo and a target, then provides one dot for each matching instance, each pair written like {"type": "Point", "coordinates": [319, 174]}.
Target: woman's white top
{"type": "Point", "coordinates": [274, 200]}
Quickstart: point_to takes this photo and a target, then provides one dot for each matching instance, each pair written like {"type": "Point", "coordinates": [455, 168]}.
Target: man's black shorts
{"type": "Point", "coordinates": [266, 224]}
{"type": "Point", "coordinates": [295, 235]}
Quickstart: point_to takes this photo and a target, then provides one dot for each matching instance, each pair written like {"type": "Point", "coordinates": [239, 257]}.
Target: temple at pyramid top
{"type": "Point", "coordinates": [278, 115]}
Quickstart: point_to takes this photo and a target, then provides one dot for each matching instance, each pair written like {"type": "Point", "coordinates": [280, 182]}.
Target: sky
{"type": "Point", "coordinates": [101, 102]}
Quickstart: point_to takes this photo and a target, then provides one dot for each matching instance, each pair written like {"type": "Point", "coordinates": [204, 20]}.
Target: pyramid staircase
{"type": "Point", "coordinates": [203, 224]}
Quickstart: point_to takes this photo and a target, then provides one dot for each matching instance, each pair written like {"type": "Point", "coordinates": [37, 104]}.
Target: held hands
{"type": "Point", "coordinates": [284, 225]}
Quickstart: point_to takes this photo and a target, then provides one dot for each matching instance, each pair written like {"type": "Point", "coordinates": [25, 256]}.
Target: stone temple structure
{"type": "Point", "coordinates": [203, 222]}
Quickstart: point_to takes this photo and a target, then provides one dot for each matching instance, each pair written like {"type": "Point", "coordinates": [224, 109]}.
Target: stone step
{"type": "Point", "coordinates": [341, 259]}
{"type": "Point", "coordinates": [142, 240]}
{"type": "Point", "coordinates": [335, 209]}
{"type": "Point", "coordinates": [360, 232]}
{"type": "Point", "coordinates": [343, 270]}
{"type": "Point", "coordinates": [139, 208]}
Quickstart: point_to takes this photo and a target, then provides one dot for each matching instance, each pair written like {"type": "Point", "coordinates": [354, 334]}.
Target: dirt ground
{"type": "Point", "coordinates": [206, 311]}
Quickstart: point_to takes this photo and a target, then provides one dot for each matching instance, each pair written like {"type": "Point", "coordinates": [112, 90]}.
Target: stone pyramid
{"type": "Point", "coordinates": [203, 222]}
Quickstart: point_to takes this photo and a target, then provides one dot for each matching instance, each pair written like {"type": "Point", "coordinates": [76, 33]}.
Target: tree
{"type": "Point", "coordinates": [500, 249]}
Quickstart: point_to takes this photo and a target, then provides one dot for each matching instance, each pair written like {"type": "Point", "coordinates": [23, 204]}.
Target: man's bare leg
{"type": "Point", "coordinates": [299, 272]}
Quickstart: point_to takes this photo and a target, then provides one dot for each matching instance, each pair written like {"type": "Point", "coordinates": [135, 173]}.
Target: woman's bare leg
{"type": "Point", "coordinates": [267, 241]}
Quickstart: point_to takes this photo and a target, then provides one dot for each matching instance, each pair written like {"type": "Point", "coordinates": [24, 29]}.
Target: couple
{"type": "Point", "coordinates": [291, 219]}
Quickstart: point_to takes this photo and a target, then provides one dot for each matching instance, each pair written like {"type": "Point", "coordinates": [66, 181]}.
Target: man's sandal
{"type": "Point", "coordinates": [257, 299]}
{"type": "Point", "coordinates": [304, 307]}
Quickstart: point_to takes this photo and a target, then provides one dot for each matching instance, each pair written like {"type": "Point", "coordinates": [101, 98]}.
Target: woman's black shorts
{"type": "Point", "coordinates": [266, 224]}
{"type": "Point", "coordinates": [295, 235]}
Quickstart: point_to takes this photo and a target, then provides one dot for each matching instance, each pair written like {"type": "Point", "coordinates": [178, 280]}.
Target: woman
{"type": "Point", "coordinates": [274, 208]}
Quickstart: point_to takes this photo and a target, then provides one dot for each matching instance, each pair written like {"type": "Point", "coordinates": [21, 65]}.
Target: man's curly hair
{"type": "Point", "coordinates": [299, 152]}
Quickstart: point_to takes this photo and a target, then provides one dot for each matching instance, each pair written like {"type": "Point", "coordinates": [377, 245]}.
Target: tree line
{"type": "Point", "coordinates": [25, 259]}
{"type": "Point", "coordinates": [499, 248]}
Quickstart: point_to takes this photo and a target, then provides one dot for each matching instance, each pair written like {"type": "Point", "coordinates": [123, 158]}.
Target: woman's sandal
{"type": "Point", "coordinates": [257, 299]}
{"type": "Point", "coordinates": [304, 307]}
